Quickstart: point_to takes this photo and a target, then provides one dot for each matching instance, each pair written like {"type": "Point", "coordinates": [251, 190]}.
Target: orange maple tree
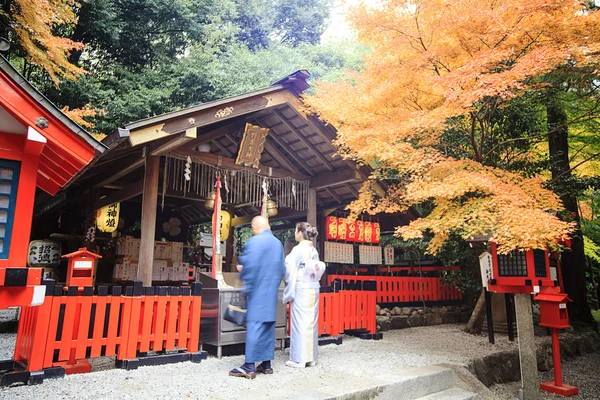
{"type": "Point", "coordinates": [34, 23]}
{"type": "Point", "coordinates": [440, 64]}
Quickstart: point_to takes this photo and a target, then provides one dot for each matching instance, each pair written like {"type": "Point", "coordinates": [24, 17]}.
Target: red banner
{"type": "Point", "coordinates": [357, 231]}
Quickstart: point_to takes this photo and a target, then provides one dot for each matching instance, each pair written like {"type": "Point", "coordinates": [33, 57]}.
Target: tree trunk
{"type": "Point", "coordinates": [476, 321]}
{"type": "Point", "coordinates": [573, 261]}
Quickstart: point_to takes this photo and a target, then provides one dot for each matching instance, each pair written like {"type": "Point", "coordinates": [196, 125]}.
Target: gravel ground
{"type": "Point", "coordinates": [399, 349]}
{"type": "Point", "coordinates": [580, 372]}
{"type": "Point", "coordinates": [8, 315]}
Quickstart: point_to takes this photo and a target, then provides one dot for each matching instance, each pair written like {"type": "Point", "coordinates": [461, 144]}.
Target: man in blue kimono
{"type": "Point", "coordinates": [262, 269]}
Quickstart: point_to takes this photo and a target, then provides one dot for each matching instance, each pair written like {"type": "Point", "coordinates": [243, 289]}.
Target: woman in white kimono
{"type": "Point", "coordinates": [303, 272]}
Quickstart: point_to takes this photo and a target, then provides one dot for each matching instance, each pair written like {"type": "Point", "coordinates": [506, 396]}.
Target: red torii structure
{"type": "Point", "coordinates": [40, 147]}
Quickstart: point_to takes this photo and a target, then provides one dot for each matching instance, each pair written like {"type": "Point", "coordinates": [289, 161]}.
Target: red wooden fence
{"type": "Point", "coordinates": [76, 325]}
{"type": "Point", "coordinates": [400, 289]}
{"type": "Point", "coordinates": [346, 309]}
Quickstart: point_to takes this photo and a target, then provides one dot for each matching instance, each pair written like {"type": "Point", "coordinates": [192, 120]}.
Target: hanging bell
{"type": "Point", "coordinates": [272, 208]}
{"type": "Point", "coordinates": [209, 203]}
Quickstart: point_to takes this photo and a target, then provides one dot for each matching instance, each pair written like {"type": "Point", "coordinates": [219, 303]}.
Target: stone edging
{"type": "Point", "coordinates": [409, 317]}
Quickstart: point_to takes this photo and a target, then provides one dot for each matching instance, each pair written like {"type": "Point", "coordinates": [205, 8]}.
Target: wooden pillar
{"type": "Point", "coordinates": [527, 351]}
{"type": "Point", "coordinates": [311, 211]}
{"type": "Point", "coordinates": [149, 203]}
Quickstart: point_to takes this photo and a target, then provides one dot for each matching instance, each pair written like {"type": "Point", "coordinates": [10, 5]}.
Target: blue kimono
{"type": "Point", "coordinates": [262, 272]}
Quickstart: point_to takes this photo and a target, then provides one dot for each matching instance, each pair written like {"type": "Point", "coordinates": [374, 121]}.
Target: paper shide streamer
{"type": "Point", "coordinates": [240, 186]}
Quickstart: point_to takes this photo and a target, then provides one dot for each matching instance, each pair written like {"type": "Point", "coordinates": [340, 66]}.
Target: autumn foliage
{"type": "Point", "coordinates": [34, 24]}
{"type": "Point", "coordinates": [440, 64]}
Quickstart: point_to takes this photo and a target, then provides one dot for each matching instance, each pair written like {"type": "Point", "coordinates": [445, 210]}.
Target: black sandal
{"type": "Point", "coordinates": [262, 370]}
{"type": "Point", "coordinates": [240, 372]}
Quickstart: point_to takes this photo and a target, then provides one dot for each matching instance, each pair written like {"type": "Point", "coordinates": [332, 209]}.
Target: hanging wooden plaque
{"type": "Point", "coordinates": [252, 146]}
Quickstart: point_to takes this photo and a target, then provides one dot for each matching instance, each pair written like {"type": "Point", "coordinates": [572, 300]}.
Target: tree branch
{"type": "Point", "coordinates": [576, 165]}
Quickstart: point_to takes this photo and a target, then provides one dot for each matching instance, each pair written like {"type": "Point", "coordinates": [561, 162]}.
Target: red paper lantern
{"type": "Point", "coordinates": [360, 227]}
{"type": "Point", "coordinates": [376, 232]}
{"type": "Point", "coordinates": [368, 232]}
{"type": "Point", "coordinates": [342, 233]}
{"type": "Point", "coordinates": [352, 231]}
{"type": "Point", "coordinates": [332, 228]}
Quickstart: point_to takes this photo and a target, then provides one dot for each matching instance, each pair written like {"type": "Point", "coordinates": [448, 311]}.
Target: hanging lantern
{"type": "Point", "coordinates": [203, 148]}
{"type": "Point", "coordinates": [272, 208]}
{"type": "Point", "coordinates": [107, 218]}
{"type": "Point", "coordinates": [225, 225]}
{"type": "Point", "coordinates": [209, 203]}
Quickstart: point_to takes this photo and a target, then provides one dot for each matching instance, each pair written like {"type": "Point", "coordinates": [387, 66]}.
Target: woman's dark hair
{"type": "Point", "coordinates": [309, 232]}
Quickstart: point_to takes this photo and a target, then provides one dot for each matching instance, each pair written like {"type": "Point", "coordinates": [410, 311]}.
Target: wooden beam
{"type": "Point", "coordinates": [286, 213]}
{"type": "Point", "coordinates": [132, 190]}
{"type": "Point", "coordinates": [304, 140]}
{"type": "Point", "coordinates": [333, 194]}
{"type": "Point", "coordinates": [292, 153]}
{"type": "Point", "coordinates": [156, 128]}
{"type": "Point", "coordinates": [177, 140]}
{"type": "Point", "coordinates": [205, 137]}
{"type": "Point", "coordinates": [148, 225]}
{"type": "Point", "coordinates": [278, 156]}
{"type": "Point", "coordinates": [132, 163]}
{"type": "Point", "coordinates": [311, 212]}
{"type": "Point", "coordinates": [335, 178]}
{"type": "Point", "coordinates": [229, 163]}
{"type": "Point", "coordinates": [222, 148]}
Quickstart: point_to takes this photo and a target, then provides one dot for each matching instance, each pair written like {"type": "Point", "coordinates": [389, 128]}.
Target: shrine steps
{"type": "Point", "coordinates": [435, 382]}
{"type": "Point", "coordinates": [452, 394]}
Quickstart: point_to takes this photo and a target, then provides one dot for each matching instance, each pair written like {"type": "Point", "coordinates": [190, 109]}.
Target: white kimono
{"type": "Point", "coordinates": [302, 290]}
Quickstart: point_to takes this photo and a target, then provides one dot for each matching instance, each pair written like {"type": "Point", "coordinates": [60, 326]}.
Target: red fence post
{"type": "Point", "coordinates": [194, 327]}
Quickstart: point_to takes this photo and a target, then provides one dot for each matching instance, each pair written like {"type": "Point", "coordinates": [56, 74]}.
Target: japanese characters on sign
{"type": "Point", "coordinates": [356, 231]}
{"type": "Point", "coordinates": [44, 253]}
{"type": "Point", "coordinates": [107, 218]}
{"type": "Point", "coordinates": [485, 265]}
{"type": "Point", "coordinates": [342, 253]}
{"type": "Point", "coordinates": [251, 148]}
{"type": "Point", "coordinates": [369, 255]}
{"type": "Point", "coordinates": [388, 255]}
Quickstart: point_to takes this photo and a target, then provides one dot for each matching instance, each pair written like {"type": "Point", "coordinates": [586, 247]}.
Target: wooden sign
{"type": "Point", "coordinates": [369, 255]}
{"type": "Point", "coordinates": [342, 253]}
{"type": "Point", "coordinates": [388, 255]}
{"type": "Point", "coordinates": [252, 146]}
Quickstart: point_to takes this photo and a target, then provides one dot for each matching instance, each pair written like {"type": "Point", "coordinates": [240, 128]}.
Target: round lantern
{"type": "Point", "coordinates": [271, 208]}
{"type": "Point", "coordinates": [225, 224]}
{"type": "Point", "coordinates": [203, 148]}
{"type": "Point", "coordinates": [209, 203]}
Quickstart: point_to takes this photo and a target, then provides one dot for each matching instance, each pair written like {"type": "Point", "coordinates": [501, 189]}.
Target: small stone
{"type": "Point", "coordinates": [377, 308]}
{"type": "Point", "coordinates": [399, 322]}
{"type": "Point", "coordinates": [415, 320]}
{"type": "Point", "coordinates": [406, 310]}
{"type": "Point", "coordinates": [451, 318]}
{"type": "Point", "coordinates": [397, 311]}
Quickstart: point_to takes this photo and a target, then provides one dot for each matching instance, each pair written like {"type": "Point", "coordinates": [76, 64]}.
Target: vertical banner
{"type": "Point", "coordinates": [376, 233]}
{"type": "Point", "coordinates": [342, 231]}
{"type": "Point", "coordinates": [331, 227]}
{"type": "Point", "coordinates": [360, 227]}
{"type": "Point", "coordinates": [216, 231]}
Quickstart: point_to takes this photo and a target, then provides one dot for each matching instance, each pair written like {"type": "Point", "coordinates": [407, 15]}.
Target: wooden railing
{"type": "Point", "coordinates": [405, 289]}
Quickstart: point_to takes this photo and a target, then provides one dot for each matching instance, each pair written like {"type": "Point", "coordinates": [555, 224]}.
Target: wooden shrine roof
{"type": "Point", "coordinates": [298, 145]}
